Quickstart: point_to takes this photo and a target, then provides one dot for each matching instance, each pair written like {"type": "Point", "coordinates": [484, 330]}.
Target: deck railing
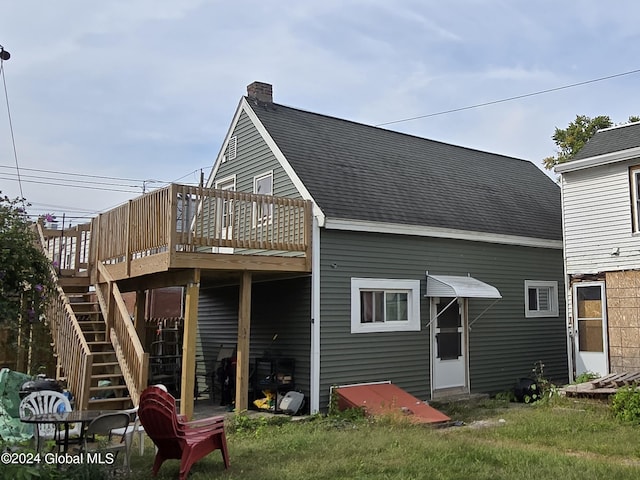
{"type": "Point", "coordinates": [134, 362]}
{"type": "Point", "coordinates": [67, 249]}
{"type": "Point", "coordinates": [182, 218]}
{"type": "Point", "coordinates": [75, 359]}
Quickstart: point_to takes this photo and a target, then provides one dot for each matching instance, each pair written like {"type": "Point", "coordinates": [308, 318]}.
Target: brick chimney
{"type": "Point", "coordinates": [263, 92]}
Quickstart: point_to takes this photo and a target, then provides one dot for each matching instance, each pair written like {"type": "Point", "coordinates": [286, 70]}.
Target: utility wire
{"type": "Point", "coordinates": [102, 177]}
{"type": "Point", "coordinates": [13, 140]}
{"type": "Point", "coordinates": [75, 186]}
{"type": "Point", "coordinates": [517, 97]}
{"type": "Point", "coordinates": [72, 180]}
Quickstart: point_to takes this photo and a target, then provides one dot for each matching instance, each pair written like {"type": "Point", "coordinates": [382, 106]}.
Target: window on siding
{"type": "Point", "coordinates": [634, 177]}
{"type": "Point", "coordinates": [263, 211]}
{"type": "Point", "coordinates": [540, 298]}
{"type": "Point", "coordinates": [384, 305]}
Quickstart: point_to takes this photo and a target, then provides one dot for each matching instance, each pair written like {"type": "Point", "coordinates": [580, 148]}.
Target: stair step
{"type": "Point", "coordinates": [102, 376]}
{"type": "Point", "coordinates": [106, 364]}
{"type": "Point", "coordinates": [87, 323]}
{"type": "Point", "coordinates": [99, 343]}
{"type": "Point", "coordinates": [107, 388]}
{"type": "Point", "coordinates": [96, 353]}
{"type": "Point", "coordinates": [84, 294]}
{"type": "Point", "coordinates": [118, 403]}
{"type": "Point", "coordinates": [80, 315]}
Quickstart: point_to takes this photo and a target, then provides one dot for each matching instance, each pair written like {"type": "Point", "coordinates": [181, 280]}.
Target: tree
{"type": "Point", "coordinates": [25, 280]}
{"type": "Point", "coordinates": [571, 139]}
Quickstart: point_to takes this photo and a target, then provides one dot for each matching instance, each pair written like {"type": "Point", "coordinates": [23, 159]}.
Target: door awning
{"type": "Point", "coordinates": [459, 286]}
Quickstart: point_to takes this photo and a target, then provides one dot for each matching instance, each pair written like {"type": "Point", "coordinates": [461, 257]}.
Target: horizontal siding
{"type": "Point", "coordinates": [504, 345]}
{"type": "Point", "coordinates": [279, 308]}
{"type": "Point", "coordinates": [254, 157]}
{"type": "Point", "coordinates": [597, 219]}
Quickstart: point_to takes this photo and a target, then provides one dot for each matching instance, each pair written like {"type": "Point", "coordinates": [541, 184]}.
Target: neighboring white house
{"type": "Point", "coordinates": [601, 230]}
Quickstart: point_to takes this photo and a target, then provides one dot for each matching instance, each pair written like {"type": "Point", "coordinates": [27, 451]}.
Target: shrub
{"type": "Point", "coordinates": [626, 404]}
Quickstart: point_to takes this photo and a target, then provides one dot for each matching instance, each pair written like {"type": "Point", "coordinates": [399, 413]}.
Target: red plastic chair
{"type": "Point", "coordinates": [175, 438]}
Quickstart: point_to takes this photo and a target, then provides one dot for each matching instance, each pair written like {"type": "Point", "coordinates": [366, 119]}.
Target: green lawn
{"type": "Point", "coordinates": [566, 440]}
{"type": "Point", "coordinates": [563, 440]}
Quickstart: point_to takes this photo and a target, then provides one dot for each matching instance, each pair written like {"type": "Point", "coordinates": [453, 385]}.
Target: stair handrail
{"type": "Point", "coordinates": [133, 360]}
{"type": "Point", "coordinates": [74, 357]}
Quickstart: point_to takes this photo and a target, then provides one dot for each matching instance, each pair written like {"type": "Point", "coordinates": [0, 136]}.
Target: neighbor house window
{"type": "Point", "coordinates": [540, 298]}
{"type": "Point", "coordinates": [263, 184]}
{"type": "Point", "coordinates": [384, 305]}
{"type": "Point", "coordinates": [634, 174]}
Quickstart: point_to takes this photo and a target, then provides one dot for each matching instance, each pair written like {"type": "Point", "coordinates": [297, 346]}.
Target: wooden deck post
{"type": "Point", "coordinates": [189, 345]}
{"type": "Point", "coordinates": [242, 353]}
{"type": "Point", "coordinates": [139, 315]}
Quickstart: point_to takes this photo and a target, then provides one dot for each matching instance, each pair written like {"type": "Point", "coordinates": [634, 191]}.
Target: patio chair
{"type": "Point", "coordinates": [127, 433]}
{"type": "Point", "coordinates": [104, 425]}
{"type": "Point", "coordinates": [47, 401]}
{"type": "Point", "coordinates": [175, 438]}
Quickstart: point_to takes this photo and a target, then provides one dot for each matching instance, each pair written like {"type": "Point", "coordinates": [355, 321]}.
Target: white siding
{"type": "Point", "coordinates": [597, 220]}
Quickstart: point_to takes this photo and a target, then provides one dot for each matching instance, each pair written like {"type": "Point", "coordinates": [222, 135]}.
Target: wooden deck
{"type": "Point", "coordinates": [602, 387]}
{"type": "Point", "coordinates": [171, 237]}
{"type": "Point", "coordinates": [186, 227]}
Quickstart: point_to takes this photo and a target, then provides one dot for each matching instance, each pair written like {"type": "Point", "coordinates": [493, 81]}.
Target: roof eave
{"type": "Point", "coordinates": [598, 160]}
{"type": "Point", "coordinates": [438, 232]}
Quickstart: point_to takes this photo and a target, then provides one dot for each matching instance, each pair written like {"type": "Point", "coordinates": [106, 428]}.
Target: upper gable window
{"type": "Point", "coordinates": [232, 149]}
{"type": "Point", "coordinates": [384, 305]}
{"type": "Point", "coordinates": [540, 299]}
{"type": "Point", "coordinates": [634, 177]}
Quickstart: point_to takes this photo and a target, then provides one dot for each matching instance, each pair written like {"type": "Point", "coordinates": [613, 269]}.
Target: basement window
{"type": "Point", "coordinates": [384, 305]}
{"type": "Point", "coordinates": [540, 298]}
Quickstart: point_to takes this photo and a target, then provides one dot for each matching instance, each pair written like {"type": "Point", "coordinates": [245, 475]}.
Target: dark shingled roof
{"type": "Point", "coordinates": [611, 140]}
{"type": "Point", "coordinates": [359, 172]}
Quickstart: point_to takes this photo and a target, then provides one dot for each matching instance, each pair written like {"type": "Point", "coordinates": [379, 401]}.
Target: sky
{"type": "Point", "coordinates": [109, 99]}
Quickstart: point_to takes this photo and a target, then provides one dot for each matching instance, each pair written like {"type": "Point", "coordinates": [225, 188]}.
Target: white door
{"type": "Point", "coordinates": [224, 217]}
{"type": "Point", "coordinates": [590, 328]}
{"type": "Point", "coordinates": [449, 344]}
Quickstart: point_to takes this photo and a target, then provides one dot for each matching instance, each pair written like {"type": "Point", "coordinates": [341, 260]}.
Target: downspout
{"type": "Point", "coordinates": [315, 318]}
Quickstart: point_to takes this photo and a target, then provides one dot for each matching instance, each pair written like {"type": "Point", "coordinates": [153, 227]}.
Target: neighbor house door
{"type": "Point", "coordinates": [590, 328]}
{"type": "Point", "coordinates": [449, 352]}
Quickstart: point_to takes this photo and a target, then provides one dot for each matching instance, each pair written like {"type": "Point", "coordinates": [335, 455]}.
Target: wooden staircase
{"type": "Point", "coordinates": [107, 390]}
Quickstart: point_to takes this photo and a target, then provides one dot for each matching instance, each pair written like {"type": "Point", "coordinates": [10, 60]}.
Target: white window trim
{"type": "Point", "coordinates": [411, 287]}
{"type": "Point", "coordinates": [553, 299]}
{"type": "Point", "coordinates": [634, 173]}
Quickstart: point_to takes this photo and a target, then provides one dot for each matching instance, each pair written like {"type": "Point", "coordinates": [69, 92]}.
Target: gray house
{"type": "Point", "coordinates": [434, 266]}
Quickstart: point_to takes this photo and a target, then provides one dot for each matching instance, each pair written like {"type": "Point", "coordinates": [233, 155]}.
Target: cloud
{"type": "Point", "coordinates": [146, 89]}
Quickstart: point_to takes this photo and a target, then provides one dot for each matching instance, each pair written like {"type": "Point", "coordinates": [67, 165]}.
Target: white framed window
{"type": "Point", "coordinates": [385, 305]}
{"type": "Point", "coordinates": [263, 211]}
{"type": "Point", "coordinates": [540, 298]}
{"type": "Point", "coordinates": [634, 178]}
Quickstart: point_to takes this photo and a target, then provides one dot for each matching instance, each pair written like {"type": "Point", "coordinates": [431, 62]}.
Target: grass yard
{"type": "Point", "coordinates": [565, 440]}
